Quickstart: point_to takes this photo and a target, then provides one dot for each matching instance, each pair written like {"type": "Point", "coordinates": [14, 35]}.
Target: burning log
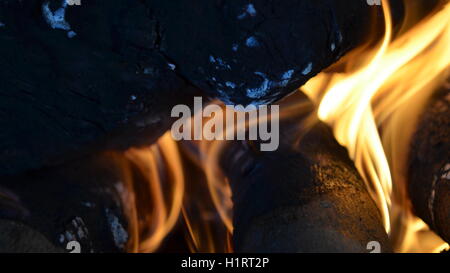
{"type": "Point", "coordinates": [305, 197]}
{"type": "Point", "coordinates": [106, 74]}
{"type": "Point", "coordinates": [429, 165]}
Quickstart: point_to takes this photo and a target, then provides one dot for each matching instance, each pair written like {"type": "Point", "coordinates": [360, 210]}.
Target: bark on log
{"type": "Point", "coordinates": [305, 197]}
{"type": "Point", "coordinates": [429, 166]}
{"type": "Point", "coordinates": [107, 73]}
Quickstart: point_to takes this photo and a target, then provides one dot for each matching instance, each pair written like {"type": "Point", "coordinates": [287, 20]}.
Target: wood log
{"type": "Point", "coordinates": [75, 79]}
{"type": "Point", "coordinates": [429, 165]}
{"type": "Point", "coordinates": [82, 201]}
{"type": "Point", "coordinates": [256, 52]}
{"type": "Point", "coordinates": [305, 197]}
{"type": "Point", "coordinates": [15, 237]}
{"type": "Point", "coordinates": [63, 97]}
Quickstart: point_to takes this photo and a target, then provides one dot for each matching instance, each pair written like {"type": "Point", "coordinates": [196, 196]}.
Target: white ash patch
{"type": "Point", "coordinates": [235, 47]}
{"type": "Point", "coordinates": [286, 77]}
{"type": "Point", "coordinates": [230, 85]}
{"type": "Point", "coordinates": [432, 198]}
{"type": "Point", "coordinates": [82, 231]}
{"type": "Point", "coordinates": [71, 34]}
{"type": "Point", "coordinates": [339, 41]}
{"type": "Point", "coordinates": [249, 10]}
{"type": "Point", "coordinates": [340, 37]}
{"type": "Point", "coordinates": [333, 47]}
{"type": "Point", "coordinates": [307, 69]}
{"type": "Point", "coordinates": [77, 231]}
{"type": "Point", "coordinates": [133, 97]}
{"type": "Point", "coordinates": [251, 42]}
{"type": "Point", "coordinates": [120, 235]}
{"type": "Point", "coordinates": [263, 89]}
{"type": "Point", "coordinates": [220, 64]}
{"type": "Point", "coordinates": [56, 19]}
{"type": "Point", "coordinates": [172, 66]}
{"type": "Point", "coordinates": [260, 91]}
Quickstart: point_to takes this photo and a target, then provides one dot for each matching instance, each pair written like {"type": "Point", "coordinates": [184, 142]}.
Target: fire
{"type": "Point", "coordinates": [372, 105]}
{"type": "Point", "coordinates": [154, 207]}
{"type": "Point", "coordinates": [386, 94]}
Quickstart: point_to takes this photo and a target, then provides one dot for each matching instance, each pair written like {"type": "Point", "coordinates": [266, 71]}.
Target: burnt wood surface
{"type": "Point", "coordinates": [106, 87]}
{"type": "Point", "coordinates": [107, 73]}
{"type": "Point", "coordinates": [15, 237]}
{"type": "Point", "coordinates": [81, 200]}
{"type": "Point", "coordinates": [305, 197]}
{"type": "Point", "coordinates": [429, 165]}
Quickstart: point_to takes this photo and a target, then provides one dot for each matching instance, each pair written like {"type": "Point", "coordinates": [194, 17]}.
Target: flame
{"type": "Point", "coordinates": [386, 94]}
{"type": "Point", "coordinates": [154, 213]}
{"type": "Point", "coordinates": [372, 106]}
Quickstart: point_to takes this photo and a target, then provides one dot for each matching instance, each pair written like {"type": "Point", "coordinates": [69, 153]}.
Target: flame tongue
{"type": "Point", "coordinates": [386, 93]}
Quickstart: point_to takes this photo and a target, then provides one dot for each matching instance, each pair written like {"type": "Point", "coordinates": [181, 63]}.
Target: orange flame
{"type": "Point", "coordinates": [154, 215]}
{"type": "Point", "coordinates": [386, 95]}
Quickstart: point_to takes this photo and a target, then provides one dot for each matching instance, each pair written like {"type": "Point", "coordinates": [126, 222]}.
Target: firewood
{"type": "Point", "coordinates": [107, 73]}
{"type": "Point", "coordinates": [429, 165]}
{"type": "Point", "coordinates": [259, 51]}
{"type": "Point", "coordinates": [15, 237]}
{"type": "Point", "coordinates": [79, 201]}
{"type": "Point", "coordinates": [105, 88]}
{"type": "Point", "coordinates": [305, 197]}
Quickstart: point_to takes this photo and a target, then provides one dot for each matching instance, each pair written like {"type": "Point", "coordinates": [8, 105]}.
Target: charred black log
{"type": "Point", "coordinates": [81, 201]}
{"type": "Point", "coordinates": [80, 78]}
{"type": "Point", "coordinates": [305, 197]}
{"type": "Point", "coordinates": [106, 73]}
{"type": "Point", "coordinates": [15, 237]}
{"type": "Point", "coordinates": [259, 51]}
{"type": "Point", "coordinates": [429, 166]}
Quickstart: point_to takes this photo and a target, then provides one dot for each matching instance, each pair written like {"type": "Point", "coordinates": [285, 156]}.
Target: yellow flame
{"type": "Point", "coordinates": [388, 93]}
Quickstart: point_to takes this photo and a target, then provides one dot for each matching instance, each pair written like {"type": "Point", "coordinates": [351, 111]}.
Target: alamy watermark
{"type": "Point", "coordinates": [374, 247]}
{"type": "Point", "coordinates": [215, 122]}
{"type": "Point", "coordinates": [73, 2]}
{"type": "Point", "coordinates": [374, 2]}
{"type": "Point", "coordinates": [74, 247]}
